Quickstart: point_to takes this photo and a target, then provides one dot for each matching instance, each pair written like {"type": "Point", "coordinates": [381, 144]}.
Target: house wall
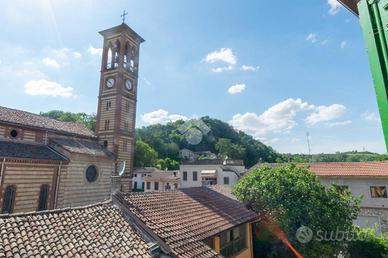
{"type": "Point", "coordinates": [247, 252]}
{"type": "Point", "coordinates": [28, 177]}
{"type": "Point", "coordinates": [219, 174]}
{"type": "Point", "coordinates": [75, 190]}
{"type": "Point", "coordinates": [372, 209]}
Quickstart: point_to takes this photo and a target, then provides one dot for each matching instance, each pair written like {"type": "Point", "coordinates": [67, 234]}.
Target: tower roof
{"type": "Point", "coordinates": [121, 28]}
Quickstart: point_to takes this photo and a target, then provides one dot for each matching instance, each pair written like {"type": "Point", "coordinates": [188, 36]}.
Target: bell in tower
{"type": "Point", "coordinates": [116, 114]}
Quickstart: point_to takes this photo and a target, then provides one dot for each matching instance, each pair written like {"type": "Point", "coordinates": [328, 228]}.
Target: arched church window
{"type": "Point", "coordinates": [132, 59]}
{"type": "Point", "coordinates": [106, 125]}
{"type": "Point", "coordinates": [91, 174]}
{"type": "Point", "coordinates": [9, 199]}
{"type": "Point", "coordinates": [109, 59]}
{"type": "Point", "coordinates": [126, 55]}
{"type": "Point", "coordinates": [116, 54]}
{"type": "Point", "coordinates": [43, 197]}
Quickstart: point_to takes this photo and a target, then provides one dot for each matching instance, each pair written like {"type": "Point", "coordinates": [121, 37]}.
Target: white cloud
{"type": "Point", "coordinates": [225, 55]}
{"type": "Point", "coordinates": [238, 88]}
{"type": "Point", "coordinates": [279, 118]}
{"type": "Point", "coordinates": [250, 68]}
{"type": "Point", "coordinates": [94, 51]}
{"type": "Point", "coordinates": [371, 117]}
{"type": "Point", "coordinates": [47, 88]}
{"type": "Point", "coordinates": [161, 116]}
{"type": "Point", "coordinates": [222, 69]}
{"type": "Point", "coordinates": [50, 62]}
{"type": "Point", "coordinates": [312, 37]}
{"type": "Point", "coordinates": [335, 6]}
{"type": "Point", "coordinates": [77, 55]}
{"type": "Point", "coordinates": [340, 123]}
{"type": "Point", "coordinates": [324, 42]}
{"type": "Point", "coordinates": [325, 114]}
{"type": "Point", "coordinates": [343, 44]}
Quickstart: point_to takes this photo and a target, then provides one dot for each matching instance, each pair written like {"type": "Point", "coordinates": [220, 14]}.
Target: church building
{"type": "Point", "coordinates": [49, 164]}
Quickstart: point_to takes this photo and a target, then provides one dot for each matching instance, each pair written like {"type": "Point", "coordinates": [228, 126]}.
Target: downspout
{"type": "Point", "coordinates": [57, 185]}
{"type": "Point", "coordinates": [2, 174]}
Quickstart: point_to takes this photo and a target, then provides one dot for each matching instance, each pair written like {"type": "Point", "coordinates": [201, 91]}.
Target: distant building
{"type": "Point", "coordinates": [369, 179]}
{"type": "Point", "coordinates": [138, 177]}
{"type": "Point", "coordinates": [211, 172]}
{"type": "Point", "coordinates": [188, 155]}
{"type": "Point", "coordinates": [162, 181]}
{"type": "Point", "coordinates": [195, 222]}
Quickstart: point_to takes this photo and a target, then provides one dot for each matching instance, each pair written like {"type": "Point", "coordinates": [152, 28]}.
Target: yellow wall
{"type": "Point", "coordinates": [246, 253]}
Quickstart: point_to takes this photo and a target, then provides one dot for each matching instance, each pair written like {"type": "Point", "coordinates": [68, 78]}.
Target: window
{"type": "Point", "coordinates": [109, 59]}
{"type": "Point", "coordinates": [226, 180]}
{"type": "Point", "coordinates": [106, 125]}
{"type": "Point", "coordinates": [91, 173]}
{"type": "Point", "coordinates": [142, 186]}
{"type": "Point", "coordinates": [184, 175]}
{"type": "Point", "coordinates": [148, 185]}
{"type": "Point", "coordinates": [195, 176]}
{"type": "Point", "coordinates": [9, 199]}
{"type": "Point", "coordinates": [209, 242]}
{"type": "Point", "coordinates": [135, 175]}
{"type": "Point", "coordinates": [126, 126]}
{"type": "Point", "coordinates": [108, 105]}
{"type": "Point", "coordinates": [233, 241]}
{"type": "Point", "coordinates": [43, 196]}
{"type": "Point", "coordinates": [174, 174]}
{"type": "Point", "coordinates": [156, 186]}
{"type": "Point", "coordinates": [378, 191]}
{"type": "Point", "coordinates": [135, 185]}
{"type": "Point", "coordinates": [125, 146]}
{"type": "Point", "coordinates": [13, 133]}
{"type": "Point", "coordinates": [105, 143]}
{"type": "Point", "coordinates": [127, 105]}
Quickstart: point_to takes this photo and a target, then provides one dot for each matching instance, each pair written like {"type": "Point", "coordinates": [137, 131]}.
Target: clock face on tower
{"type": "Point", "coordinates": [110, 82]}
{"type": "Point", "coordinates": [128, 84]}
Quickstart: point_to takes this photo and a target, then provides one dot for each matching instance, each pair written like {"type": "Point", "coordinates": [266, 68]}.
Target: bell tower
{"type": "Point", "coordinates": [116, 114]}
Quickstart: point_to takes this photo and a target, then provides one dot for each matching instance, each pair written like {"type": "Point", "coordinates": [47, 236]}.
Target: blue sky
{"type": "Point", "coordinates": [274, 69]}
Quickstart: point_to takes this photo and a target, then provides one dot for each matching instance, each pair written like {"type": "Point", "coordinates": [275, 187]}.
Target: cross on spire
{"type": "Point", "coordinates": [123, 15]}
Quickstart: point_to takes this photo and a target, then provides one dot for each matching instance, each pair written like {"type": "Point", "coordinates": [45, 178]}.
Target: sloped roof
{"type": "Point", "coordinates": [82, 146]}
{"type": "Point", "coordinates": [19, 117]}
{"type": "Point", "coordinates": [93, 231]}
{"type": "Point", "coordinates": [15, 149]}
{"type": "Point", "coordinates": [355, 169]}
{"type": "Point", "coordinates": [184, 218]}
{"type": "Point", "coordinates": [350, 168]}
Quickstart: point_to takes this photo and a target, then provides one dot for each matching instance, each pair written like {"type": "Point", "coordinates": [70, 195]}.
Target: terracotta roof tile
{"type": "Point", "coordinates": [350, 169]}
{"type": "Point", "coordinates": [99, 231]}
{"type": "Point", "coordinates": [184, 218]}
{"type": "Point", "coordinates": [359, 169]}
{"type": "Point", "coordinates": [20, 117]}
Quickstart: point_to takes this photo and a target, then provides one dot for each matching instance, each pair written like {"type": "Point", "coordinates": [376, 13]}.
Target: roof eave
{"type": "Point", "coordinates": [351, 5]}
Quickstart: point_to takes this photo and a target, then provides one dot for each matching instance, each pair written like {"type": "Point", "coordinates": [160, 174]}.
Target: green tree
{"type": "Point", "coordinates": [167, 164]}
{"type": "Point", "coordinates": [367, 244]}
{"type": "Point", "coordinates": [226, 148]}
{"type": "Point", "coordinates": [293, 197]}
{"type": "Point", "coordinates": [82, 118]}
{"type": "Point", "coordinates": [145, 155]}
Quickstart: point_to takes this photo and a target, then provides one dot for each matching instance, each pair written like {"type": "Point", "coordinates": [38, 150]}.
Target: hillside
{"type": "Point", "coordinates": [219, 138]}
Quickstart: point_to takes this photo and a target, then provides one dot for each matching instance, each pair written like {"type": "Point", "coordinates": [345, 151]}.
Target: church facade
{"type": "Point", "coordinates": [49, 164]}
